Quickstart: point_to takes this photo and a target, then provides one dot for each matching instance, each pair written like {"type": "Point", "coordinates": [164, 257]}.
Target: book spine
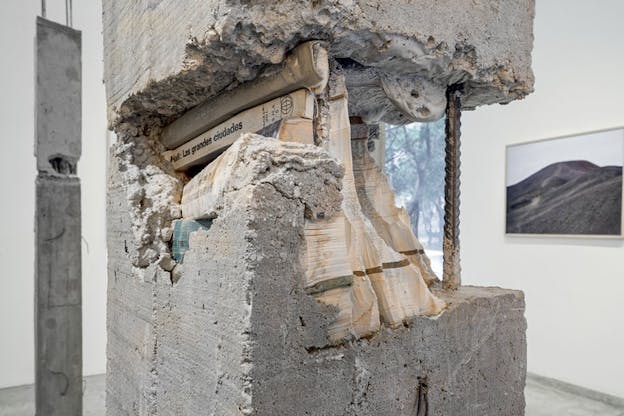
{"type": "Point", "coordinates": [207, 145]}
{"type": "Point", "coordinates": [306, 67]}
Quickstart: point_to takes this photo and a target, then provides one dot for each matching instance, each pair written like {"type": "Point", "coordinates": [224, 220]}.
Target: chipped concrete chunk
{"type": "Point", "coordinates": [255, 159]}
{"type": "Point", "coordinates": [240, 324]}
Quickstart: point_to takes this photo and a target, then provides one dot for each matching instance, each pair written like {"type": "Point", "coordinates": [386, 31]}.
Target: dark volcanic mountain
{"type": "Point", "coordinates": [575, 197]}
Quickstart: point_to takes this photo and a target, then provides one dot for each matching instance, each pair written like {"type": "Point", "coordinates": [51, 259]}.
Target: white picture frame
{"type": "Point", "coordinates": [567, 186]}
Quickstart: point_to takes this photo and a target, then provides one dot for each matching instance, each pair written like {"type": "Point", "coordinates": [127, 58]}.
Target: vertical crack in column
{"type": "Point", "coordinates": [422, 402]}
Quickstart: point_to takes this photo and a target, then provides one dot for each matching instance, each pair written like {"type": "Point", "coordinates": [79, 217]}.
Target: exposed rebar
{"type": "Point", "coordinates": [451, 272]}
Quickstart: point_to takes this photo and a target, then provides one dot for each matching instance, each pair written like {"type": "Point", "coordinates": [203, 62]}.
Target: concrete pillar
{"type": "Point", "coordinates": [231, 329]}
{"type": "Point", "coordinates": [58, 296]}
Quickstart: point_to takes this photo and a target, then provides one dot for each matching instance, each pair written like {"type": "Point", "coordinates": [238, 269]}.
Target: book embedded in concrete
{"type": "Point", "coordinates": [260, 119]}
{"type": "Point", "coordinates": [305, 67]}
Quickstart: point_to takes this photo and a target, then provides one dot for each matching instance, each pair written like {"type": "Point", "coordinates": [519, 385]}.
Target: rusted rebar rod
{"type": "Point", "coordinates": [451, 272]}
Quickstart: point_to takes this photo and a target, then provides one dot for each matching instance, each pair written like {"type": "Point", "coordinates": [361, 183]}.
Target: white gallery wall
{"type": "Point", "coordinates": [574, 287]}
{"type": "Point", "coordinates": [17, 175]}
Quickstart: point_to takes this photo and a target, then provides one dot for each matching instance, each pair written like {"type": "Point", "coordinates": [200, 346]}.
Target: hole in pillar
{"type": "Point", "coordinates": [349, 63]}
{"type": "Point", "coordinates": [194, 170]}
{"type": "Point", "coordinates": [62, 165]}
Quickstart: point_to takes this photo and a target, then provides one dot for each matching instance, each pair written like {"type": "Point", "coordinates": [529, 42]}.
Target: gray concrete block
{"type": "Point", "coordinates": [58, 297]}
{"type": "Point", "coordinates": [58, 104]}
{"type": "Point", "coordinates": [470, 361]}
{"type": "Point", "coordinates": [237, 334]}
{"type": "Point", "coordinates": [163, 59]}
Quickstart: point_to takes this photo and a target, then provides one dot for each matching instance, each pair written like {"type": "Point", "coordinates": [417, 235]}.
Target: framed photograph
{"type": "Point", "coordinates": [567, 186]}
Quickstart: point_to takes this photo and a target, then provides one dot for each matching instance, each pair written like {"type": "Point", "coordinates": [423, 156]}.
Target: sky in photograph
{"type": "Point", "coordinates": [602, 148]}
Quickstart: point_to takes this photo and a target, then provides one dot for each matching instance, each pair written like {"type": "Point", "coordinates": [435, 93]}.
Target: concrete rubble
{"type": "Point", "coordinates": [294, 286]}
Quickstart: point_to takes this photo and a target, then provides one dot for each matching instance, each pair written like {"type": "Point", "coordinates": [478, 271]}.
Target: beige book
{"type": "Point", "coordinates": [378, 204]}
{"type": "Point", "coordinates": [298, 130]}
{"type": "Point", "coordinates": [328, 264]}
{"type": "Point", "coordinates": [306, 67]}
{"type": "Point", "coordinates": [327, 252]}
{"type": "Point", "coordinates": [267, 116]}
{"type": "Point", "coordinates": [329, 276]}
{"type": "Point", "coordinates": [399, 286]}
{"type": "Point", "coordinates": [201, 192]}
{"type": "Point", "coordinates": [330, 280]}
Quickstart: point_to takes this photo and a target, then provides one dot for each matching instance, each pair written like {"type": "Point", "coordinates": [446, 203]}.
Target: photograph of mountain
{"type": "Point", "coordinates": [569, 186]}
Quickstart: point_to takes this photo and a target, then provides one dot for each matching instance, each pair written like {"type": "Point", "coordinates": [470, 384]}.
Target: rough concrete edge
{"type": "Point", "coordinates": [130, 107]}
{"type": "Point", "coordinates": [70, 31]}
{"type": "Point", "coordinates": [493, 291]}
{"type": "Point", "coordinates": [133, 101]}
{"type": "Point", "coordinates": [577, 390]}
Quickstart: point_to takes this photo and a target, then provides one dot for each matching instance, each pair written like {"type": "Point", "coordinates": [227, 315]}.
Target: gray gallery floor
{"type": "Point", "coordinates": [20, 401]}
{"type": "Point", "coordinates": [543, 397]}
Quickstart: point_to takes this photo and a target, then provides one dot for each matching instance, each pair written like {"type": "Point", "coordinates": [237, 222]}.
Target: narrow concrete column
{"type": "Point", "coordinates": [58, 297]}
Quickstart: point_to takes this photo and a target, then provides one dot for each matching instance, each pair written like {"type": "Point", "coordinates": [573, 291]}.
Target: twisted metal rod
{"type": "Point", "coordinates": [451, 272]}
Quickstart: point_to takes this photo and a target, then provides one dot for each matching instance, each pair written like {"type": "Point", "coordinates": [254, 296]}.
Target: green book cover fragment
{"type": "Point", "coordinates": [181, 232]}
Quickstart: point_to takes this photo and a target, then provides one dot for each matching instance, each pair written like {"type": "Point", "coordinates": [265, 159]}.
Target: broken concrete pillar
{"type": "Point", "coordinates": [294, 286]}
{"type": "Point", "coordinates": [238, 333]}
{"type": "Point", "coordinates": [163, 59]}
{"type": "Point", "coordinates": [58, 289]}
